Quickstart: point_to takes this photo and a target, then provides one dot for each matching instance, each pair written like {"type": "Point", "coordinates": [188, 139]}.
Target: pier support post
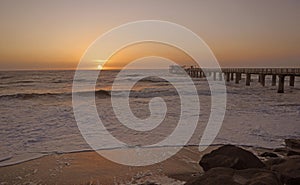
{"type": "Point", "coordinates": [231, 77]}
{"type": "Point", "coordinates": [292, 80]}
{"type": "Point", "coordinates": [259, 79]}
{"type": "Point", "coordinates": [220, 76]}
{"type": "Point", "coordinates": [281, 84]}
{"type": "Point", "coordinates": [263, 79]}
{"type": "Point", "coordinates": [214, 74]}
{"type": "Point", "coordinates": [273, 80]}
{"type": "Point", "coordinates": [248, 79]}
{"type": "Point", "coordinates": [227, 77]}
{"type": "Point", "coordinates": [238, 77]}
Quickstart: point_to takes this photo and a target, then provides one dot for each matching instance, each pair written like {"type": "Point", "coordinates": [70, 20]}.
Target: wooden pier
{"type": "Point", "coordinates": [235, 74]}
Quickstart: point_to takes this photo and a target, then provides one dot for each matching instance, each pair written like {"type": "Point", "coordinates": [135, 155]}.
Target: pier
{"type": "Point", "coordinates": [278, 75]}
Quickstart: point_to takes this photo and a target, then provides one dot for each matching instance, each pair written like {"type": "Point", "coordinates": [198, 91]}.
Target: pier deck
{"type": "Point", "coordinates": [235, 74]}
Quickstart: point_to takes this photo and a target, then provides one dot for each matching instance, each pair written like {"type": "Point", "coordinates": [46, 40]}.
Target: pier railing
{"type": "Point", "coordinates": [235, 74]}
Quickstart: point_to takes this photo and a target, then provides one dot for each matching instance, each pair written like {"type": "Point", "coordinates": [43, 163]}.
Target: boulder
{"type": "Point", "coordinates": [268, 154]}
{"type": "Point", "coordinates": [292, 146]}
{"type": "Point", "coordinates": [293, 152]}
{"type": "Point", "coordinates": [289, 170]}
{"type": "Point", "coordinates": [274, 161]}
{"type": "Point", "coordinates": [216, 176]}
{"type": "Point", "coordinates": [292, 143]}
{"type": "Point", "coordinates": [231, 157]}
{"type": "Point", "coordinates": [229, 176]}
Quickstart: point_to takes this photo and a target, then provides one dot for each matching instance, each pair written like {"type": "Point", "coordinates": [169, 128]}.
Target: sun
{"type": "Point", "coordinates": [99, 67]}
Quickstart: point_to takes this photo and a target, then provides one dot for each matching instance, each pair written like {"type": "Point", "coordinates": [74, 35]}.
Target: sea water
{"type": "Point", "coordinates": [36, 113]}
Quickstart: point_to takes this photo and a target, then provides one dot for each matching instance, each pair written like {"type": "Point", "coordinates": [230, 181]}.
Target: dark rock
{"type": "Point", "coordinates": [149, 183]}
{"type": "Point", "coordinates": [268, 154]}
{"type": "Point", "coordinates": [274, 161]}
{"type": "Point", "coordinates": [291, 152]}
{"type": "Point", "coordinates": [229, 176]}
{"type": "Point", "coordinates": [292, 143]}
{"type": "Point", "coordinates": [281, 151]}
{"type": "Point", "coordinates": [216, 176]}
{"type": "Point", "coordinates": [292, 146]}
{"type": "Point", "coordinates": [232, 157]}
{"type": "Point", "coordinates": [258, 177]}
{"type": "Point", "coordinates": [289, 170]}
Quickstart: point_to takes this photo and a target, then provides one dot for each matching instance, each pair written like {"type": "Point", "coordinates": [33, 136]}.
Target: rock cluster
{"type": "Point", "coordinates": [232, 165]}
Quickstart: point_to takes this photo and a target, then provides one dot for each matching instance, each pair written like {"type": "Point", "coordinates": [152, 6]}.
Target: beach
{"type": "Point", "coordinates": [90, 167]}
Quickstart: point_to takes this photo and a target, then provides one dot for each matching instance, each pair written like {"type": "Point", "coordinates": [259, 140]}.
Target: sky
{"type": "Point", "coordinates": [55, 34]}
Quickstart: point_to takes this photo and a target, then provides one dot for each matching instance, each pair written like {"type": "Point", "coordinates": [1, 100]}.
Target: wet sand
{"type": "Point", "coordinates": [91, 168]}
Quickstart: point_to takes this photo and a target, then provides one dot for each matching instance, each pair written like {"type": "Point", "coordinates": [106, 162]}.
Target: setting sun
{"type": "Point", "coordinates": [99, 67]}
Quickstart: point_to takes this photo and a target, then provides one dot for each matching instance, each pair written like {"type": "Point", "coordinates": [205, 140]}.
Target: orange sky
{"type": "Point", "coordinates": [147, 49]}
{"type": "Point", "coordinates": [54, 34]}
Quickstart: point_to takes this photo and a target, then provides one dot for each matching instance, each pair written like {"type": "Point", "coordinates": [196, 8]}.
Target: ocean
{"type": "Point", "coordinates": [36, 113]}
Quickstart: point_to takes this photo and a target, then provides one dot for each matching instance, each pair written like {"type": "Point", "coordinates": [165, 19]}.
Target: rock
{"type": "Point", "coordinates": [281, 151]}
{"type": "Point", "coordinates": [232, 157]}
{"type": "Point", "coordinates": [292, 146]}
{"type": "Point", "coordinates": [216, 176]}
{"type": "Point", "coordinates": [291, 152]}
{"type": "Point", "coordinates": [289, 170]}
{"type": "Point", "coordinates": [268, 154]}
{"type": "Point", "coordinates": [229, 176]}
{"type": "Point", "coordinates": [274, 161]}
{"type": "Point", "coordinates": [292, 143]}
{"type": "Point", "coordinates": [149, 183]}
{"type": "Point", "coordinates": [257, 176]}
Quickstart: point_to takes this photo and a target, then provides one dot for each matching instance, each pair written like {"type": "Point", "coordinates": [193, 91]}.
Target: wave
{"type": "Point", "coordinates": [29, 95]}
{"type": "Point", "coordinates": [153, 80]}
{"type": "Point", "coordinates": [5, 77]}
{"type": "Point", "coordinates": [20, 82]}
{"type": "Point", "coordinates": [146, 92]}
{"type": "Point", "coordinates": [99, 93]}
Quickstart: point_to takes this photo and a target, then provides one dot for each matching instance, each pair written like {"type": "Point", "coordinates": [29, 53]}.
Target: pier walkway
{"type": "Point", "coordinates": [235, 74]}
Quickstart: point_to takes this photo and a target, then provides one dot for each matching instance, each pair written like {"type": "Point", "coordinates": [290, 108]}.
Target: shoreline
{"type": "Point", "coordinates": [88, 166]}
{"type": "Point", "coordinates": [83, 167]}
{"type": "Point", "coordinates": [45, 154]}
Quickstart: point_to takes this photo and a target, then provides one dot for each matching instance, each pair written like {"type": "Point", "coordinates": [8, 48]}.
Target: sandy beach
{"type": "Point", "coordinates": [90, 167]}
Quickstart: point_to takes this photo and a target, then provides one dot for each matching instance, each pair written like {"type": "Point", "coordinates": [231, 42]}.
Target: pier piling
{"type": "Point", "coordinates": [292, 80]}
{"type": "Point", "coordinates": [214, 76]}
{"type": "Point", "coordinates": [263, 79]}
{"type": "Point", "coordinates": [281, 84]}
{"type": "Point", "coordinates": [273, 80]}
{"type": "Point", "coordinates": [248, 79]}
